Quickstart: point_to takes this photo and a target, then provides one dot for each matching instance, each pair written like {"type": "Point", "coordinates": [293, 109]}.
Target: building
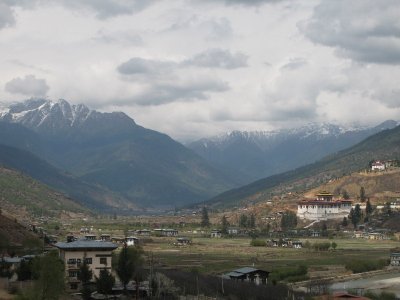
{"type": "Point", "coordinates": [248, 274]}
{"type": "Point", "coordinates": [183, 241]}
{"type": "Point", "coordinates": [166, 232]}
{"type": "Point", "coordinates": [216, 233]}
{"type": "Point", "coordinates": [131, 241]}
{"type": "Point", "coordinates": [395, 257]}
{"type": "Point", "coordinates": [233, 231]}
{"type": "Point", "coordinates": [97, 255]}
{"type": "Point", "coordinates": [323, 207]}
{"type": "Point", "coordinates": [378, 165]}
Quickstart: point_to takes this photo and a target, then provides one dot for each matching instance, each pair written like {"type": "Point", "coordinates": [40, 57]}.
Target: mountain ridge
{"type": "Point", "coordinates": [111, 150]}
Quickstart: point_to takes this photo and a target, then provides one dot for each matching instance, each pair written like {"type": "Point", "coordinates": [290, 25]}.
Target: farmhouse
{"type": "Point", "coordinates": [248, 274]}
{"type": "Point", "coordinates": [96, 254]}
{"type": "Point", "coordinates": [215, 233]}
{"type": "Point", "coordinates": [166, 232]}
{"type": "Point", "coordinates": [323, 207]}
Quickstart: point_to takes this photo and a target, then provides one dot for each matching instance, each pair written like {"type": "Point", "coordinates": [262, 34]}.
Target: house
{"type": "Point", "coordinates": [96, 254]}
{"type": "Point", "coordinates": [131, 241]}
{"type": "Point", "coordinates": [143, 232]}
{"type": "Point", "coordinates": [323, 207]}
{"type": "Point", "coordinates": [395, 257]}
{"type": "Point", "coordinates": [315, 233]}
{"type": "Point", "coordinates": [297, 244]}
{"type": "Point", "coordinates": [216, 233]}
{"type": "Point", "coordinates": [183, 241]}
{"type": "Point", "coordinates": [233, 231]}
{"type": "Point", "coordinates": [248, 274]}
{"type": "Point", "coordinates": [166, 232]}
{"type": "Point", "coordinates": [378, 165]}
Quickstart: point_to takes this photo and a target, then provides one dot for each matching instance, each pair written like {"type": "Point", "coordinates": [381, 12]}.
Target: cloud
{"type": "Point", "coordinates": [28, 86]}
{"type": "Point", "coordinates": [108, 8]}
{"type": "Point", "coordinates": [7, 18]}
{"type": "Point", "coordinates": [368, 31]}
{"type": "Point", "coordinates": [218, 58]}
{"type": "Point", "coordinates": [141, 66]}
{"type": "Point", "coordinates": [120, 37]}
{"type": "Point", "coordinates": [246, 2]}
{"type": "Point", "coordinates": [164, 93]}
{"type": "Point", "coordinates": [295, 63]}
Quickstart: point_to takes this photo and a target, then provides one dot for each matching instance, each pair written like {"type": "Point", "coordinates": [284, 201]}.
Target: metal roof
{"type": "Point", "coordinates": [86, 244]}
{"type": "Point", "coordinates": [246, 270]}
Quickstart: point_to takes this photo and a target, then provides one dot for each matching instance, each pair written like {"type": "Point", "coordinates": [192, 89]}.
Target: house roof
{"type": "Point", "coordinates": [86, 244]}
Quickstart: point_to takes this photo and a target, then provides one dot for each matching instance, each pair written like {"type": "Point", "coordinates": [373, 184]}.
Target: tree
{"type": "Point", "coordinates": [49, 275]}
{"type": "Point", "coordinates": [224, 225]}
{"type": "Point", "coordinates": [333, 245]}
{"type": "Point", "coordinates": [205, 221]}
{"type": "Point", "coordinates": [24, 271]}
{"type": "Point", "coordinates": [289, 220]}
{"type": "Point", "coordinates": [355, 215]}
{"type": "Point", "coordinates": [324, 229]}
{"type": "Point", "coordinates": [345, 195]}
{"type": "Point", "coordinates": [129, 265]}
{"type": "Point", "coordinates": [252, 221]}
{"type": "Point", "coordinates": [85, 275]}
{"type": "Point", "coordinates": [362, 194]}
{"type": "Point", "coordinates": [105, 282]}
{"type": "Point", "coordinates": [368, 208]}
{"type": "Point", "coordinates": [345, 222]}
{"type": "Point", "coordinates": [243, 221]}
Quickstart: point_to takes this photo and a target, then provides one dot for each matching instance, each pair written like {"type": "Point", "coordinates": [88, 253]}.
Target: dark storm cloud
{"type": "Point", "coordinates": [218, 58]}
{"type": "Point", "coordinates": [28, 86]}
{"type": "Point", "coordinates": [367, 31]}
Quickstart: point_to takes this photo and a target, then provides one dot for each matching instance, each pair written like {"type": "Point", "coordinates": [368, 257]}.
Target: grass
{"type": "Point", "coordinates": [216, 256]}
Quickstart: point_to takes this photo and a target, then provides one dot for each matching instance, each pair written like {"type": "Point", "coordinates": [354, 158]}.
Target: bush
{"type": "Point", "coordinates": [381, 296]}
{"type": "Point", "coordinates": [322, 246]}
{"type": "Point", "coordinates": [360, 266]}
{"type": "Point", "coordinates": [291, 274]}
{"type": "Point", "coordinates": [258, 243]}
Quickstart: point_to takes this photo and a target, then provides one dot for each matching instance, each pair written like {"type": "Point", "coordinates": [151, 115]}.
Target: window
{"type": "Point", "coordinates": [71, 261]}
{"type": "Point", "coordinates": [74, 286]}
{"type": "Point", "coordinates": [88, 260]}
{"type": "Point", "coordinates": [103, 260]}
{"type": "Point", "coordinates": [78, 261]}
{"type": "Point", "coordinates": [72, 274]}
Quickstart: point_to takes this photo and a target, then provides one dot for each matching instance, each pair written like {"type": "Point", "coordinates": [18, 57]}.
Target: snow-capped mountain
{"type": "Point", "coordinates": [111, 150]}
{"type": "Point", "coordinates": [257, 154]}
{"type": "Point", "coordinates": [50, 117]}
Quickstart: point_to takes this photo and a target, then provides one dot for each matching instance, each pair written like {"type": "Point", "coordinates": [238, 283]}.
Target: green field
{"type": "Point", "coordinates": [216, 256]}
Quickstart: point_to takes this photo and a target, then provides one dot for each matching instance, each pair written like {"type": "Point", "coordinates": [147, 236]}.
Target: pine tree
{"type": "Point", "coordinates": [368, 208]}
{"type": "Point", "coordinates": [205, 221]}
{"type": "Point", "coordinates": [355, 215]}
{"type": "Point", "coordinates": [252, 221]}
{"type": "Point", "coordinates": [224, 225]}
{"type": "Point", "coordinates": [345, 222]}
{"type": "Point", "coordinates": [243, 221]}
{"type": "Point", "coordinates": [105, 282]}
{"type": "Point", "coordinates": [362, 194]}
{"type": "Point", "coordinates": [345, 195]}
{"type": "Point", "coordinates": [85, 275]}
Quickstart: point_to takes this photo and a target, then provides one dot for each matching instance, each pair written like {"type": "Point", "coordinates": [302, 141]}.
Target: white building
{"type": "Point", "coordinates": [97, 255]}
{"type": "Point", "coordinates": [324, 207]}
{"type": "Point", "coordinates": [378, 165]}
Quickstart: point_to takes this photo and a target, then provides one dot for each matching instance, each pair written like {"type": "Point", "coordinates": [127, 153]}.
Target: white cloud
{"type": "Point", "coordinates": [363, 30]}
{"type": "Point", "coordinates": [27, 86]}
{"type": "Point", "coordinates": [192, 68]}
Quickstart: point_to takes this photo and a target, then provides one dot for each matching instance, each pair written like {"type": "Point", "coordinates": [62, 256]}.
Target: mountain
{"type": "Point", "coordinates": [24, 196]}
{"type": "Point", "coordinates": [383, 145]}
{"type": "Point", "coordinates": [109, 149]}
{"type": "Point", "coordinates": [86, 194]}
{"type": "Point", "coordinates": [254, 155]}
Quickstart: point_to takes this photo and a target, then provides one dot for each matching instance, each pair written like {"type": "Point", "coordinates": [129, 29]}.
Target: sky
{"type": "Point", "coordinates": [198, 68]}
